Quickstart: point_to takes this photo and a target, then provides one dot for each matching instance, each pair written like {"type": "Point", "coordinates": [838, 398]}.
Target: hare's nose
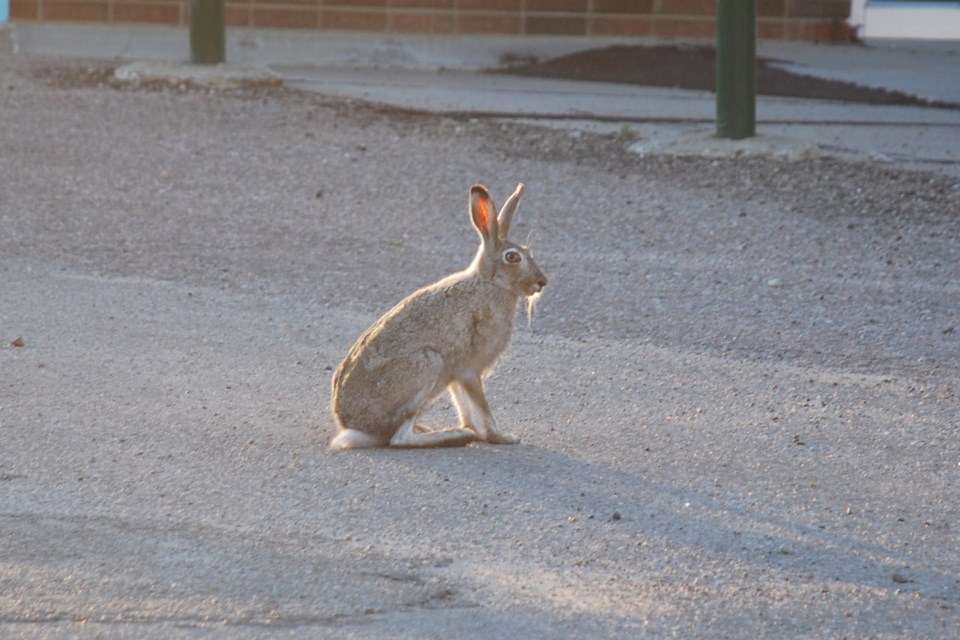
{"type": "Point", "coordinates": [542, 282]}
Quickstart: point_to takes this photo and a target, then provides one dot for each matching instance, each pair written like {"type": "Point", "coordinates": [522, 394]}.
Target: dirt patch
{"type": "Point", "coordinates": [694, 67]}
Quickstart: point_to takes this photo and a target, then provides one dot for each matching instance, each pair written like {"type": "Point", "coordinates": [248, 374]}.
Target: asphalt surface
{"type": "Point", "coordinates": [738, 398]}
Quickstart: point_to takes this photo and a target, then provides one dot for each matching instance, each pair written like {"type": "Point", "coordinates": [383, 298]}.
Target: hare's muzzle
{"type": "Point", "coordinates": [536, 284]}
{"type": "Point", "coordinates": [530, 280]}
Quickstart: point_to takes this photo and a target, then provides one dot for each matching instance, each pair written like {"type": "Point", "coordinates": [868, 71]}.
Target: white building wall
{"type": "Point", "coordinates": [906, 19]}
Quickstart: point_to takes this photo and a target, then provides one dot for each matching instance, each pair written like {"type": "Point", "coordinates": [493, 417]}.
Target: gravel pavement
{"type": "Point", "coordinates": [738, 397]}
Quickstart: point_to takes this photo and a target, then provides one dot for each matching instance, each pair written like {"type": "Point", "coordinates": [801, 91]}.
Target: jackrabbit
{"type": "Point", "coordinates": [447, 335]}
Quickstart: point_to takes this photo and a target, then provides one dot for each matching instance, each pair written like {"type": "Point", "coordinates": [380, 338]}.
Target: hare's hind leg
{"type": "Point", "coordinates": [412, 435]}
{"type": "Point", "coordinates": [475, 414]}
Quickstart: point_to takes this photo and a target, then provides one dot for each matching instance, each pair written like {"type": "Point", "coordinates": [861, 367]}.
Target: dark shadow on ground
{"type": "Point", "coordinates": [694, 67]}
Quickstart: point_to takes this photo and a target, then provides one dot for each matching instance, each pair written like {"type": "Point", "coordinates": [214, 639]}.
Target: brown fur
{"type": "Point", "coordinates": [446, 335]}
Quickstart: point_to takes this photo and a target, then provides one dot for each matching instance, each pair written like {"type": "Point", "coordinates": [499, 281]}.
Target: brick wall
{"type": "Point", "coordinates": [816, 20]}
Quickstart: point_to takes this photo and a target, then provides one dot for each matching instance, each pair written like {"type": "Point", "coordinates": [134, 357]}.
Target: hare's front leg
{"type": "Point", "coordinates": [475, 414]}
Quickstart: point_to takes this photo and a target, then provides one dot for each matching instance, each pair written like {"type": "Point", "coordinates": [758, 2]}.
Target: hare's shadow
{"type": "Point", "coordinates": [627, 508]}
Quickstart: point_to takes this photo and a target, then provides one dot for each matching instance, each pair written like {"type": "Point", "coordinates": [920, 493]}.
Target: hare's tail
{"type": "Point", "coordinates": [353, 439]}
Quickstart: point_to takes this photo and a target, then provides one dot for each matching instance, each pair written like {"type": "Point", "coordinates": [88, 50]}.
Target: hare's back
{"type": "Point", "coordinates": [438, 319]}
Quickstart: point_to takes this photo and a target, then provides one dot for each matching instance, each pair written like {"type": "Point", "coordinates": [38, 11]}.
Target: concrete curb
{"type": "Point", "coordinates": [707, 145]}
{"type": "Point", "coordinates": [218, 76]}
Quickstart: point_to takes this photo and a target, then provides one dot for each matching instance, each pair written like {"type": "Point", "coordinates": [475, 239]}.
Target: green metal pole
{"type": "Point", "coordinates": [207, 31]}
{"type": "Point", "coordinates": [736, 68]}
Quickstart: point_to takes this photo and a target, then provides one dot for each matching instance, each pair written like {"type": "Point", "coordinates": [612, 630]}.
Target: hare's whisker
{"type": "Point", "coordinates": [531, 304]}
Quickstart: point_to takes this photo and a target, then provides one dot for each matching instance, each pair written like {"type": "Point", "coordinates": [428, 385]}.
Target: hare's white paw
{"type": "Point", "coordinates": [503, 438]}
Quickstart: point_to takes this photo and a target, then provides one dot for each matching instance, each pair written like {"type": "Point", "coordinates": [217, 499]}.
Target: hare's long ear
{"type": "Point", "coordinates": [483, 214]}
{"type": "Point", "coordinates": [509, 208]}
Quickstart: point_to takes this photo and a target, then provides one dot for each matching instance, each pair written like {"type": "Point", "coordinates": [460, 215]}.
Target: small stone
{"type": "Point", "coordinates": [616, 515]}
{"type": "Point", "coordinates": [18, 342]}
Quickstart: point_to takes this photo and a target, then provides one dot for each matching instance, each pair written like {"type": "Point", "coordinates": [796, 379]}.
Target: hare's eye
{"type": "Point", "coordinates": [512, 256]}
